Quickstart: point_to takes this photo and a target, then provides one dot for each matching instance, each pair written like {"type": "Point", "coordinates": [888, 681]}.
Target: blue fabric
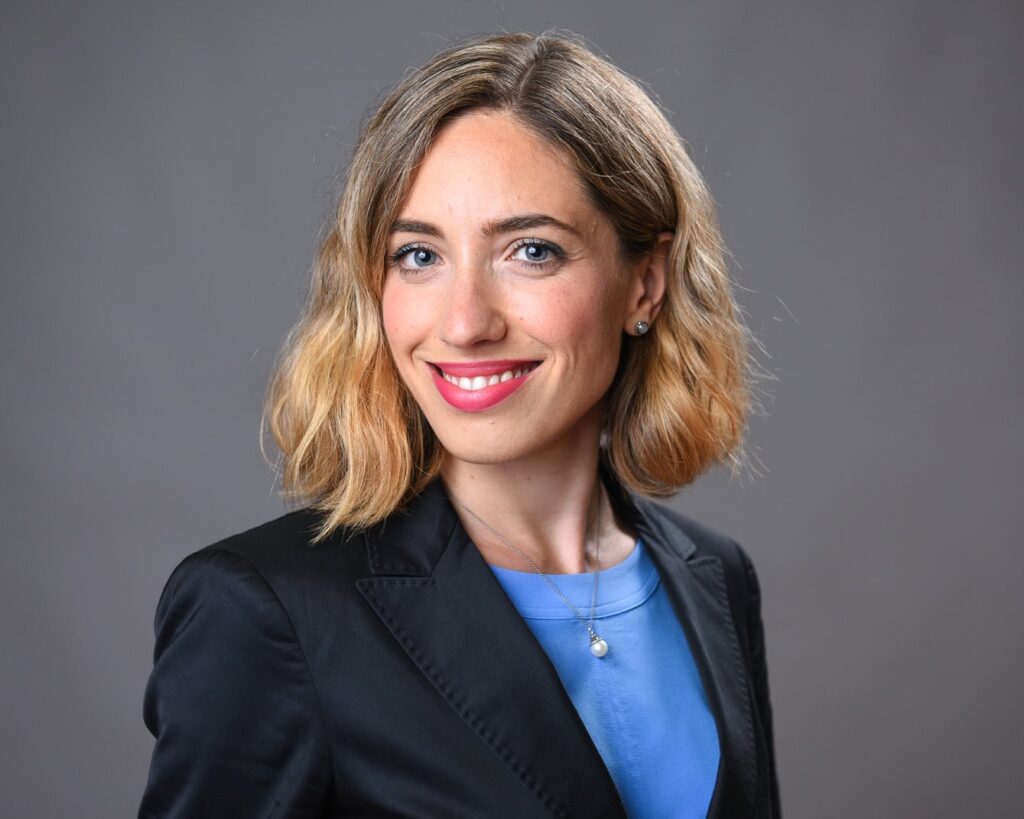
{"type": "Point", "coordinates": [643, 703]}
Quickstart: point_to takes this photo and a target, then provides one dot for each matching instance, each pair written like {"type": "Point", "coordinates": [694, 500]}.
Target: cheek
{"type": "Point", "coordinates": [396, 315]}
{"type": "Point", "coordinates": [584, 320]}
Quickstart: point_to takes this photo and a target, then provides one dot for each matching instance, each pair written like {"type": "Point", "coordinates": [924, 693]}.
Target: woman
{"type": "Point", "coordinates": [519, 328]}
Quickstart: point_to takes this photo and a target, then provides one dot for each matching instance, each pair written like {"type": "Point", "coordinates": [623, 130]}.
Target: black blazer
{"type": "Point", "coordinates": [388, 675]}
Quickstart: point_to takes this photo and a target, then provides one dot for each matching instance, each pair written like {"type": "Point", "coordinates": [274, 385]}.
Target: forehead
{"type": "Point", "coordinates": [487, 164]}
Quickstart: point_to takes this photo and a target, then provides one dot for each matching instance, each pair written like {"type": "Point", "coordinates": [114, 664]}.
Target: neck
{"type": "Point", "coordinates": [545, 504]}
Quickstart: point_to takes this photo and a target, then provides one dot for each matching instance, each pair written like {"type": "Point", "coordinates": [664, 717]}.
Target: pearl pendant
{"type": "Point", "coordinates": [598, 647]}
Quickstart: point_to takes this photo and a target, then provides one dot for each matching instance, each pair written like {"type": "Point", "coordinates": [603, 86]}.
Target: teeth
{"type": "Point", "coordinates": [481, 381]}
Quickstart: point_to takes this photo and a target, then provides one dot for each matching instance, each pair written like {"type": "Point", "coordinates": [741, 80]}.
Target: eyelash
{"type": "Point", "coordinates": [557, 254]}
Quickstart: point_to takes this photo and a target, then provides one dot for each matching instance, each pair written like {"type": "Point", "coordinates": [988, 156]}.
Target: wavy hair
{"type": "Point", "coordinates": [353, 441]}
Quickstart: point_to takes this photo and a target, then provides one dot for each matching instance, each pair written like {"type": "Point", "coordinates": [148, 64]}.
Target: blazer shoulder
{"type": "Point", "coordinates": [700, 541]}
{"type": "Point", "coordinates": [707, 542]}
{"type": "Point", "coordinates": [231, 690]}
{"type": "Point", "coordinates": [291, 530]}
{"type": "Point", "coordinates": [282, 550]}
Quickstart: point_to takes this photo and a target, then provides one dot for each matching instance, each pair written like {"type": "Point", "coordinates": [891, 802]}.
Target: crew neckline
{"type": "Point", "coordinates": [620, 588]}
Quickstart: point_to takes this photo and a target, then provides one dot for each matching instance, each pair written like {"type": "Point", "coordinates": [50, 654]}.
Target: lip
{"type": "Point", "coordinates": [469, 369]}
{"type": "Point", "coordinates": [485, 398]}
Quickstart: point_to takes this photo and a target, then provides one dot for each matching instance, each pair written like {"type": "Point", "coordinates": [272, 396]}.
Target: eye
{"type": "Point", "coordinates": [413, 257]}
{"type": "Point", "coordinates": [537, 253]}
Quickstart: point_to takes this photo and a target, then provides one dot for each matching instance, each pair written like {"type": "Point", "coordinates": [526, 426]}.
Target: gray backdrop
{"type": "Point", "coordinates": [164, 173]}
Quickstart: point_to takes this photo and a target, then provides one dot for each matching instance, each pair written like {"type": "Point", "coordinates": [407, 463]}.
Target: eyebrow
{"type": "Point", "coordinates": [512, 223]}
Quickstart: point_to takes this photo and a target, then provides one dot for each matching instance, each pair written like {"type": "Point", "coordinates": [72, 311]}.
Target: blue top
{"type": "Point", "coordinates": [643, 702]}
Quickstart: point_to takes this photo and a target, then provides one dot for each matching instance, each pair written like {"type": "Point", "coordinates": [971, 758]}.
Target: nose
{"type": "Point", "coordinates": [472, 311]}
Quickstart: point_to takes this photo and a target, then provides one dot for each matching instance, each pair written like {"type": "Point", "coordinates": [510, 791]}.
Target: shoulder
{"type": "Point", "coordinates": [697, 539]}
{"type": "Point", "coordinates": [701, 544]}
{"type": "Point", "coordinates": [290, 534]}
{"type": "Point", "coordinates": [268, 566]}
{"type": "Point", "coordinates": [276, 549]}
{"type": "Point", "coordinates": [230, 688]}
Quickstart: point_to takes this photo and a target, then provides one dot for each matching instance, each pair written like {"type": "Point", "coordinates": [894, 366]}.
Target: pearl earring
{"type": "Point", "coordinates": [641, 327]}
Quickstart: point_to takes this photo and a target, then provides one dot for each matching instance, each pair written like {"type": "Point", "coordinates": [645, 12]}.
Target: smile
{"type": "Point", "coordinates": [480, 381]}
{"type": "Point", "coordinates": [475, 386]}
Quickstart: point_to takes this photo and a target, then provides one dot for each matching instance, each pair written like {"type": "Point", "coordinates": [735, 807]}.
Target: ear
{"type": "Point", "coordinates": [647, 284]}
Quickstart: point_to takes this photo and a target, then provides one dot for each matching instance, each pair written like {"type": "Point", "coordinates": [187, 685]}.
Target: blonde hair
{"type": "Point", "coordinates": [354, 442]}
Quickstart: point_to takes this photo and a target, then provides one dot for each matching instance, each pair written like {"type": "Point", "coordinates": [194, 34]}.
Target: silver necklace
{"type": "Point", "coordinates": [598, 645]}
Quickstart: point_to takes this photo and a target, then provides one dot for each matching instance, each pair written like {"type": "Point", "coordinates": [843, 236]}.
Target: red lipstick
{"type": "Point", "coordinates": [470, 400]}
{"type": "Point", "coordinates": [470, 369]}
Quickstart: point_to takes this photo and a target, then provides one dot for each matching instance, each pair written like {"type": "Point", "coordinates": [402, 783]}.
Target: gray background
{"type": "Point", "coordinates": [164, 173]}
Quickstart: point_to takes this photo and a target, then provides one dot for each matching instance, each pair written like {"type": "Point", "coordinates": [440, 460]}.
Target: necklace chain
{"type": "Point", "coordinates": [596, 642]}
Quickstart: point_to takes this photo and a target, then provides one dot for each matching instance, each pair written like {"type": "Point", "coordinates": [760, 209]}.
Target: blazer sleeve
{"type": "Point", "coordinates": [230, 701]}
{"type": "Point", "coordinates": [759, 666]}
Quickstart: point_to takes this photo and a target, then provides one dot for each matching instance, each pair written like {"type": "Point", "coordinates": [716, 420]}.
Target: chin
{"type": "Point", "coordinates": [489, 454]}
{"type": "Point", "coordinates": [481, 450]}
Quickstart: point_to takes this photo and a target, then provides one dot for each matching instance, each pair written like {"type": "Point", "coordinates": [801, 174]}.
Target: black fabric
{"type": "Point", "coordinates": [387, 674]}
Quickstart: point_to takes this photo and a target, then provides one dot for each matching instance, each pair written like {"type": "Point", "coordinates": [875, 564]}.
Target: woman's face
{"type": "Point", "coordinates": [504, 279]}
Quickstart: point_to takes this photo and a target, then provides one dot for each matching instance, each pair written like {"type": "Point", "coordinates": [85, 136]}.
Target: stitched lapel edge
{"type": "Point", "coordinates": [442, 622]}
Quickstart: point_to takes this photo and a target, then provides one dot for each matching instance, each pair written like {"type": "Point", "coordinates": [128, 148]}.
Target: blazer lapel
{"type": "Point", "coordinates": [441, 601]}
{"type": "Point", "coordinates": [696, 586]}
